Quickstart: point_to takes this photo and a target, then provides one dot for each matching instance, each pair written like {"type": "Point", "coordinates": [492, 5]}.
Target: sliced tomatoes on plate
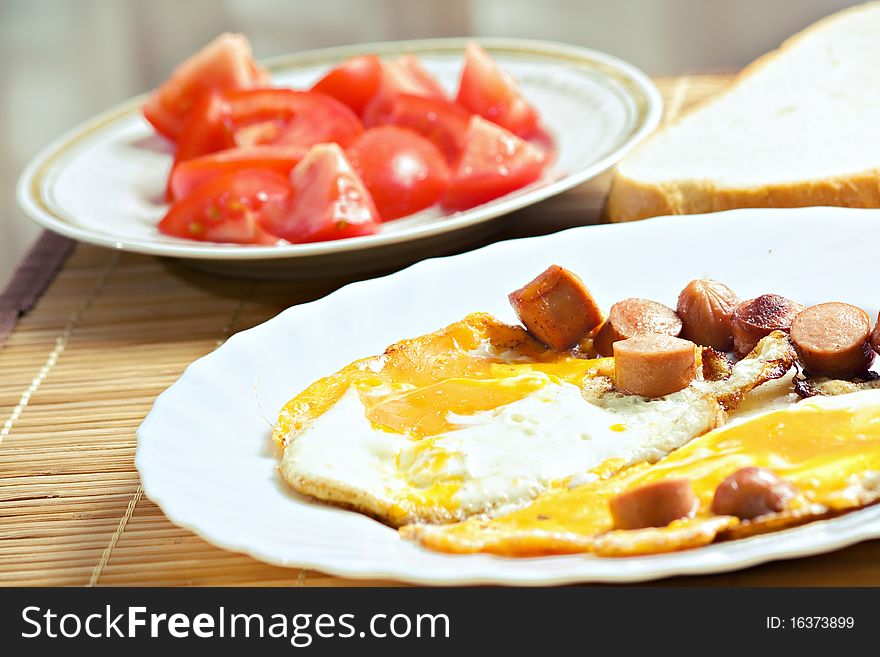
{"type": "Point", "coordinates": [102, 182]}
{"type": "Point", "coordinates": [255, 164]}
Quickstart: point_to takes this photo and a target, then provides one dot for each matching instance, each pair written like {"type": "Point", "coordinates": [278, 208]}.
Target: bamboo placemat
{"type": "Point", "coordinates": [113, 330]}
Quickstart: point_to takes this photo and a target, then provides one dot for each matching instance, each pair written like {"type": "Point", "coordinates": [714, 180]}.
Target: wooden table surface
{"type": "Point", "coordinates": [112, 331]}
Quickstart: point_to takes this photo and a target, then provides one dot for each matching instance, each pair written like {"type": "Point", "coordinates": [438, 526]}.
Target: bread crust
{"type": "Point", "coordinates": [630, 199]}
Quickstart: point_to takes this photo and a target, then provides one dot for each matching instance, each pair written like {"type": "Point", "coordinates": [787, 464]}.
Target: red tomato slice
{"type": "Point", "coordinates": [494, 162]}
{"type": "Point", "coordinates": [354, 82]}
{"type": "Point", "coordinates": [205, 130]}
{"type": "Point", "coordinates": [231, 208]}
{"type": "Point", "coordinates": [188, 175]}
{"type": "Point", "coordinates": [294, 118]}
{"type": "Point", "coordinates": [225, 63]}
{"type": "Point", "coordinates": [441, 122]}
{"type": "Point", "coordinates": [489, 91]}
{"type": "Point", "coordinates": [403, 76]}
{"type": "Point", "coordinates": [330, 201]}
{"type": "Point", "coordinates": [406, 75]}
{"type": "Point", "coordinates": [403, 171]}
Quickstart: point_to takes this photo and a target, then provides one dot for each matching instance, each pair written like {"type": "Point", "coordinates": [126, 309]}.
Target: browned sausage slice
{"type": "Point", "coordinates": [654, 505]}
{"type": "Point", "coordinates": [875, 336]}
{"type": "Point", "coordinates": [706, 308]}
{"type": "Point", "coordinates": [757, 318]}
{"type": "Point", "coordinates": [633, 317]}
{"type": "Point", "coordinates": [556, 308]}
{"type": "Point", "coordinates": [751, 492]}
{"type": "Point", "coordinates": [832, 339]}
{"type": "Point", "coordinates": [654, 365]}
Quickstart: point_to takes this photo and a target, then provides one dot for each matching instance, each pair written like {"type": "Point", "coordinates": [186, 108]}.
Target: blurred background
{"type": "Point", "coordinates": [63, 60]}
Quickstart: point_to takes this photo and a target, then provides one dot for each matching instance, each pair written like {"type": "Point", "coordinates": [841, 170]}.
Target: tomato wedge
{"type": "Point", "coordinates": [494, 162]}
{"type": "Point", "coordinates": [406, 75]}
{"type": "Point", "coordinates": [225, 63]}
{"type": "Point", "coordinates": [188, 175]}
{"type": "Point", "coordinates": [330, 201]}
{"type": "Point", "coordinates": [231, 208]}
{"type": "Point", "coordinates": [403, 171]}
{"type": "Point", "coordinates": [354, 82]}
{"type": "Point", "coordinates": [293, 118]}
{"type": "Point", "coordinates": [205, 130]}
{"type": "Point", "coordinates": [486, 89]}
{"type": "Point", "coordinates": [403, 76]}
{"type": "Point", "coordinates": [440, 121]}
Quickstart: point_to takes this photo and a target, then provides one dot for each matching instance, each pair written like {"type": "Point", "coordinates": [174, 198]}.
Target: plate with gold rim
{"type": "Point", "coordinates": [103, 182]}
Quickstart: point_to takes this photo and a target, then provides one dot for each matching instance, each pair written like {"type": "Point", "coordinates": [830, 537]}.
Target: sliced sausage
{"type": "Point", "coordinates": [632, 317]}
{"type": "Point", "coordinates": [706, 308]}
{"type": "Point", "coordinates": [556, 308]}
{"type": "Point", "coordinates": [654, 365]}
{"type": "Point", "coordinates": [654, 505]}
{"type": "Point", "coordinates": [757, 318]}
{"type": "Point", "coordinates": [875, 336]}
{"type": "Point", "coordinates": [751, 492]}
{"type": "Point", "coordinates": [832, 339]}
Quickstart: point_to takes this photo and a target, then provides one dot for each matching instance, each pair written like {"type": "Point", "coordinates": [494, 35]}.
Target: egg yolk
{"type": "Point", "coordinates": [474, 365]}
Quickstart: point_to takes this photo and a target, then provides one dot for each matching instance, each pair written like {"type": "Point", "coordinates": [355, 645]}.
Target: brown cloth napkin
{"type": "Point", "coordinates": [31, 278]}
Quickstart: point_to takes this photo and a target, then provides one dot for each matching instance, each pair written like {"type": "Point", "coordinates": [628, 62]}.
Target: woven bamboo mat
{"type": "Point", "coordinates": [113, 330]}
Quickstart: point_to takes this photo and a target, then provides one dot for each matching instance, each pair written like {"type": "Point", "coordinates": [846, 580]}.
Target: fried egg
{"type": "Point", "coordinates": [479, 418]}
{"type": "Point", "coordinates": [827, 447]}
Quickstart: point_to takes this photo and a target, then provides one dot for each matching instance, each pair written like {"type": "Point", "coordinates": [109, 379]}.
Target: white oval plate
{"type": "Point", "coordinates": [205, 453]}
{"type": "Point", "coordinates": [103, 182]}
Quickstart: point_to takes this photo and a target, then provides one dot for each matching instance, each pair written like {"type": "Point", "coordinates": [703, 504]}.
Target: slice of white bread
{"type": "Point", "coordinates": [800, 127]}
